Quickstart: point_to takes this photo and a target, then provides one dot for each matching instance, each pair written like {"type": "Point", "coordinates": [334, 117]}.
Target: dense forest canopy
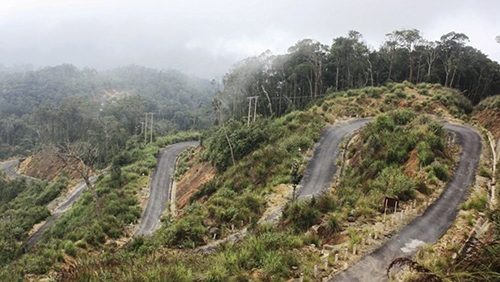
{"type": "Point", "coordinates": [310, 69]}
{"type": "Point", "coordinates": [66, 104]}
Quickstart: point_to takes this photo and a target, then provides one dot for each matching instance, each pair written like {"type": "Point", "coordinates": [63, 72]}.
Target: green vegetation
{"type": "Point", "coordinates": [492, 102]}
{"type": "Point", "coordinates": [22, 205]}
{"type": "Point", "coordinates": [400, 154]}
{"type": "Point", "coordinates": [310, 69]}
{"type": "Point", "coordinates": [64, 104]}
{"type": "Point", "coordinates": [80, 230]}
{"type": "Point", "coordinates": [236, 195]}
{"type": "Point", "coordinates": [380, 156]}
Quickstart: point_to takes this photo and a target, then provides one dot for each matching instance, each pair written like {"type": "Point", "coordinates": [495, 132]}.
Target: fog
{"type": "Point", "coordinates": [205, 38]}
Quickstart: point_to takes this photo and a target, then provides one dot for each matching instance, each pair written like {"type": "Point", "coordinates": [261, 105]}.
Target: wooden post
{"type": "Point", "coordinates": [385, 207]}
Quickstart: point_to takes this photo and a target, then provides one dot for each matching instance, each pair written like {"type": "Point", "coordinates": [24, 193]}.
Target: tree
{"type": "Point", "coordinates": [450, 47]}
{"type": "Point", "coordinates": [402, 44]}
{"type": "Point", "coordinates": [85, 155]}
{"type": "Point", "coordinates": [216, 103]}
{"type": "Point", "coordinates": [388, 53]}
{"type": "Point", "coordinates": [308, 56]}
{"type": "Point", "coordinates": [349, 56]}
{"type": "Point", "coordinates": [430, 52]}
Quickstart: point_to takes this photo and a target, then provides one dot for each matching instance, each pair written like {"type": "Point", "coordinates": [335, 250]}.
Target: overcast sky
{"type": "Point", "coordinates": [206, 37]}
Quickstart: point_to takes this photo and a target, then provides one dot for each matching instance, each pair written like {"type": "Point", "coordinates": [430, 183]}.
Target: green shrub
{"type": "Point", "coordinates": [424, 92]}
{"type": "Point", "coordinates": [187, 232]}
{"type": "Point", "coordinates": [390, 98]}
{"type": "Point", "coordinates": [484, 172]}
{"type": "Point", "coordinates": [300, 216]}
{"type": "Point", "coordinates": [69, 248]}
{"type": "Point", "coordinates": [476, 202]}
{"type": "Point", "coordinates": [440, 171]}
{"type": "Point", "coordinates": [333, 224]}
{"type": "Point", "coordinates": [400, 93]}
{"type": "Point", "coordinates": [425, 154]}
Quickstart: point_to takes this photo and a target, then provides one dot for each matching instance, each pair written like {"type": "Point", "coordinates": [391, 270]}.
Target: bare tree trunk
{"type": "Point", "coordinates": [337, 79]}
{"type": "Point", "coordinates": [370, 70]}
{"type": "Point", "coordinates": [221, 120]}
{"type": "Point", "coordinates": [453, 77]}
{"type": "Point", "coordinates": [76, 152]}
{"type": "Point", "coordinates": [268, 99]}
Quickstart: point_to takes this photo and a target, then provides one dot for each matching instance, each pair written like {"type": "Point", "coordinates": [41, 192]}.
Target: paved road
{"type": "Point", "coordinates": [430, 226]}
{"type": "Point", "coordinates": [159, 194]}
{"type": "Point", "coordinates": [9, 168]}
{"type": "Point", "coordinates": [70, 199]}
{"type": "Point", "coordinates": [321, 169]}
{"type": "Point", "coordinates": [319, 173]}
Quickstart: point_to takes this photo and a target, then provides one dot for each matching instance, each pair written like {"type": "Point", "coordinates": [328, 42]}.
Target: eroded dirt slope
{"type": "Point", "coordinates": [47, 166]}
{"type": "Point", "coordinates": [490, 119]}
{"type": "Point", "coordinates": [192, 180]}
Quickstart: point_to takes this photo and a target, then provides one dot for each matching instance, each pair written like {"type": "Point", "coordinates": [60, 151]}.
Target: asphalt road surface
{"type": "Point", "coordinates": [9, 168]}
{"type": "Point", "coordinates": [159, 194]}
{"type": "Point", "coordinates": [319, 173]}
{"type": "Point", "coordinates": [429, 227]}
{"type": "Point", "coordinates": [70, 199]}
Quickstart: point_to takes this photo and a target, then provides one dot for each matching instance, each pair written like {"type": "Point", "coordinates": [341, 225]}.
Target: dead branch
{"type": "Point", "coordinates": [427, 275]}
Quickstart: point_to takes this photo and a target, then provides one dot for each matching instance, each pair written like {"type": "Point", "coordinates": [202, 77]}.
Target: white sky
{"type": "Point", "coordinates": [207, 37]}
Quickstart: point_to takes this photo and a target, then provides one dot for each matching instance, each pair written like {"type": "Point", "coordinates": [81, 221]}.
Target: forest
{"type": "Point", "coordinates": [409, 85]}
{"type": "Point", "coordinates": [312, 69]}
{"type": "Point", "coordinates": [46, 106]}
{"type": "Point", "coordinates": [62, 104]}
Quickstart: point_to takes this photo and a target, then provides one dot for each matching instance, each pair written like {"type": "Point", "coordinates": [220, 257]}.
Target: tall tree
{"type": "Point", "coordinates": [309, 57]}
{"type": "Point", "coordinates": [349, 56]}
{"type": "Point", "coordinates": [450, 49]}
{"type": "Point", "coordinates": [407, 40]}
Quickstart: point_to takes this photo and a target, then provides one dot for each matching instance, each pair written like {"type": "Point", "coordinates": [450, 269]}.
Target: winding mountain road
{"type": "Point", "coordinates": [69, 200]}
{"type": "Point", "coordinates": [321, 170]}
{"type": "Point", "coordinates": [9, 168]}
{"type": "Point", "coordinates": [429, 227]}
{"type": "Point", "coordinates": [159, 194]}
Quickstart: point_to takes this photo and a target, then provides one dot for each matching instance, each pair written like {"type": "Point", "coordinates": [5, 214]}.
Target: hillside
{"type": "Point", "coordinates": [54, 105]}
{"type": "Point", "coordinates": [213, 193]}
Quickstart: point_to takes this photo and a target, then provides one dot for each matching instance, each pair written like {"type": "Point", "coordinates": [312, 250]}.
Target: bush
{"type": "Point", "coordinates": [440, 171]}
{"type": "Point", "coordinates": [476, 202]}
{"type": "Point", "coordinates": [425, 154]}
{"type": "Point", "coordinates": [187, 232]}
{"type": "Point", "coordinates": [300, 216]}
{"type": "Point", "coordinates": [333, 224]}
{"type": "Point", "coordinates": [69, 248]}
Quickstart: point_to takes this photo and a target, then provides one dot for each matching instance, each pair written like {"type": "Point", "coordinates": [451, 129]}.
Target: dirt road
{"type": "Point", "coordinates": [430, 226]}
{"type": "Point", "coordinates": [159, 194]}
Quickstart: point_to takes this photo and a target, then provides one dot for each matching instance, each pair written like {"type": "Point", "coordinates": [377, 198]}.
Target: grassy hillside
{"type": "Point", "coordinates": [403, 148]}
